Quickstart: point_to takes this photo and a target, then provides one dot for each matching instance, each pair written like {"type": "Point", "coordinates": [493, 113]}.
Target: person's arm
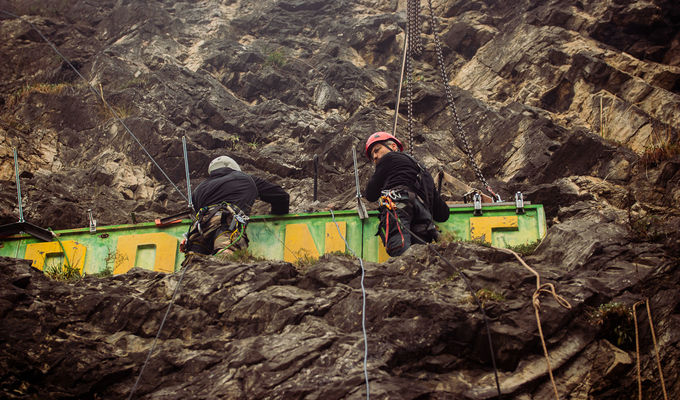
{"type": "Point", "coordinates": [273, 194]}
{"type": "Point", "coordinates": [440, 210]}
{"type": "Point", "coordinates": [377, 181]}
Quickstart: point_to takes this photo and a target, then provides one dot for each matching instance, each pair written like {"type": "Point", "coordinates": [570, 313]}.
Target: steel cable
{"type": "Point", "coordinates": [363, 304]}
{"type": "Point", "coordinates": [94, 91]}
{"type": "Point", "coordinates": [160, 328]}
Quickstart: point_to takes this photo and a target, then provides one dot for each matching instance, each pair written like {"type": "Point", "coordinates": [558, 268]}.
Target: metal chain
{"type": "Point", "coordinates": [415, 43]}
{"type": "Point", "coordinates": [414, 48]}
{"type": "Point", "coordinates": [449, 99]}
{"type": "Point", "coordinates": [409, 99]}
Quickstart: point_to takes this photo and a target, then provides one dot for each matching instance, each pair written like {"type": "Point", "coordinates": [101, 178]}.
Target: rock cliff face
{"type": "Point", "coordinates": [575, 103]}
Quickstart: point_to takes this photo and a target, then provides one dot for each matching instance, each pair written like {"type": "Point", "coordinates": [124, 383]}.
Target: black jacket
{"type": "Point", "coordinates": [396, 169]}
{"type": "Point", "coordinates": [226, 184]}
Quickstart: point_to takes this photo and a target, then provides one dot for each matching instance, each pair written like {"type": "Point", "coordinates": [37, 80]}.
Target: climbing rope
{"type": "Point", "coordinates": [541, 288]}
{"type": "Point", "coordinates": [363, 304]}
{"type": "Point", "coordinates": [100, 95]}
{"type": "Point", "coordinates": [160, 328]}
{"type": "Point", "coordinates": [656, 350]}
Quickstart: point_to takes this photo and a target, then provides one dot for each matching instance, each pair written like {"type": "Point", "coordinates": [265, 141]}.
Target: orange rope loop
{"type": "Point", "coordinates": [542, 288]}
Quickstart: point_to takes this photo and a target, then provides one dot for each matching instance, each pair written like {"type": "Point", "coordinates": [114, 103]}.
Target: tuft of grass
{"type": "Point", "coordinates": [525, 249]}
{"type": "Point", "coordinates": [438, 284]}
{"type": "Point", "coordinates": [304, 260]}
{"type": "Point", "coordinates": [240, 256]}
{"type": "Point", "coordinates": [46, 88]}
{"type": "Point", "coordinates": [616, 323]}
{"type": "Point", "coordinates": [487, 295]}
{"type": "Point", "coordinates": [480, 242]}
{"type": "Point", "coordinates": [337, 253]}
{"type": "Point", "coordinates": [665, 145]}
{"type": "Point", "coordinates": [275, 58]}
{"type": "Point", "coordinates": [122, 112]}
{"type": "Point", "coordinates": [139, 81]}
{"type": "Point", "coordinates": [62, 272]}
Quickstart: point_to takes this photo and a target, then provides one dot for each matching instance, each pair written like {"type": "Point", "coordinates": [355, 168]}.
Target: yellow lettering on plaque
{"type": "Point", "coordinates": [334, 241]}
{"type": "Point", "coordinates": [163, 258]}
{"type": "Point", "coordinates": [40, 252]}
{"type": "Point", "coordinates": [481, 227]}
{"type": "Point", "coordinates": [299, 243]}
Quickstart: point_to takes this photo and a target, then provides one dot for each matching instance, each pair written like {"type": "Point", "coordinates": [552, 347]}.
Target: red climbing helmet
{"type": "Point", "coordinates": [381, 137]}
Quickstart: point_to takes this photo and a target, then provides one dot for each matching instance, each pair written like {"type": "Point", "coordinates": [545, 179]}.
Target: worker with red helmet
{"type": "Point", "coordinates": [406, 193]}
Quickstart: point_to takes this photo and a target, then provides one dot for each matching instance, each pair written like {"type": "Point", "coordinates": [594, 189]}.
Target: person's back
{"type": "Point", "coordinates": [224, 201]}
{"type": "Point", "coordinates": [236, 187]}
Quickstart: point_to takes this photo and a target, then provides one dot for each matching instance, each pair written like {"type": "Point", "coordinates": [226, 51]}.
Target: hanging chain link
{"type": "Point", "coordinates": [449, 99]}
{"type": "Point", "coordinates": [415, 44]}
{"type": "Point", "coordinates": [414, 49]}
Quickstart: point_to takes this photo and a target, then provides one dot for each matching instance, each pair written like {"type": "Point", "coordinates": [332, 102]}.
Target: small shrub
{"type": "Point", "coordinates": [239, 255]}
{"type": "Point", "coordinates": [62, 272]}
{"type": "Point", "coordinates": [487, 295]}
{"type": "Point", "coordinates": [616, 323]}
{"type": "Point", "coordinates": [304, 260]}
{"type": "Point", "coordinates": [46, 88]}
{"type": "Point", "coordinates": [525, 249]}
{"type": "Point", "coordinates": [276, 58]}
{"type": "Point", "coordinates": [107, 271]}
{"type": "Point", "coordinates": [664, 146]}
{"type": "Point", "coordinates": [647, 228]}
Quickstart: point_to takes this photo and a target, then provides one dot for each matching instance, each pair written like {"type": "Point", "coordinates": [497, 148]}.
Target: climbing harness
{"type": "Point", "coordinates": [414, 49]}
{"type": "Point", "coordinates": [199, 235]}
{"type": "Point", "coordinates": [386, 201]}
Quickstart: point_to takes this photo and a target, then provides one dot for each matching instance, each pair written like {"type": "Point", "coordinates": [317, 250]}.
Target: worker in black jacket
{"type": "Point", "coordinates": [224, 201]}
{"type": "Point", "coordinates": [406, 192]}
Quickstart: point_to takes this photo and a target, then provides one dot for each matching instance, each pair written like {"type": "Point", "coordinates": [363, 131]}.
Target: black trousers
{"type": "Point", "coordinates": [396, 225]}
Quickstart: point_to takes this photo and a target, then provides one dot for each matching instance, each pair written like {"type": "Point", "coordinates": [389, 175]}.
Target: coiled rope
{"type": "Point", "coordinates": [94, 91]}
{"type": "Point", "coordinates": [541, 288]}
{"type": "Point", "coordinates": [363, 304]}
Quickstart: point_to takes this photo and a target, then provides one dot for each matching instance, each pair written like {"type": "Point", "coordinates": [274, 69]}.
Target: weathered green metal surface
{"type": "Point", "coordinates": [293, 237]}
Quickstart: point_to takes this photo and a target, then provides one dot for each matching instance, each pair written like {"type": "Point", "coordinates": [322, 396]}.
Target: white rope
{"type": "Point", "coordinates": [363, 304]}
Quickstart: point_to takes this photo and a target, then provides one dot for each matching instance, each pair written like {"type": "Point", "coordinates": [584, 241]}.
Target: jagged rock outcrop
{"type": "Point", "coordinates": [271, 330]}
{"type": "Point", "coordinates": [575, 103]}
